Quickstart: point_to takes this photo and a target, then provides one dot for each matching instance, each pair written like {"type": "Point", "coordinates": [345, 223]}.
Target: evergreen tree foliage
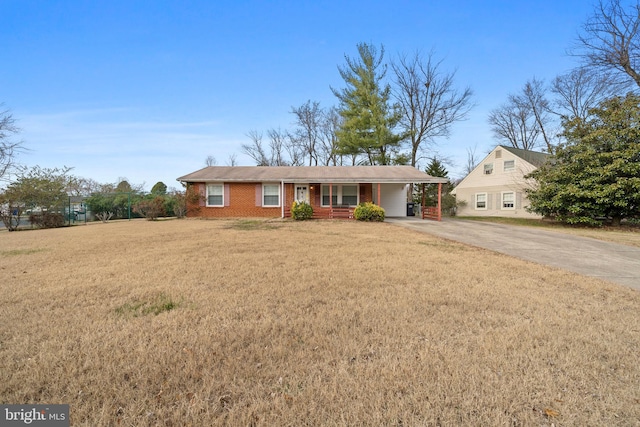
{"type": "Point", "coordinates": [160, 188]}
{"type": "Point", "coordinates": [595, 175]}
{"type": "Point", "coordinates": [123, 187]}
{"type": "Point", "coordinates": [368, 116]}
{"type": "Point", "coordinates": [448, 201]}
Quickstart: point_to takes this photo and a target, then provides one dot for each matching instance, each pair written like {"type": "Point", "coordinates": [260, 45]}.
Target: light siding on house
{"type": "Point", "coordinates": [492, 189]}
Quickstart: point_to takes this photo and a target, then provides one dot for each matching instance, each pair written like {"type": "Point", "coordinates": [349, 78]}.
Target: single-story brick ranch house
{"type": "Point", "coordinates": [332, 191]}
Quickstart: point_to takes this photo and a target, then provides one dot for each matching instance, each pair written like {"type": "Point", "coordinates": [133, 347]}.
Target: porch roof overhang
{"type": "Point", "coordinates": [312, 174]}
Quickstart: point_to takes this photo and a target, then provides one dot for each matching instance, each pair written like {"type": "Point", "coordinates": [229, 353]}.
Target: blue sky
{"type": "Point", "coordinates": [148, 89]}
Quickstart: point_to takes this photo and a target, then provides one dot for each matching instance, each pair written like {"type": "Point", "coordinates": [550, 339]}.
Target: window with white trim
{"type": "Point", "coordinates": [509, 165]}
{"type": "Point", "coordinates": [215, 195]}
{"type": "Point", "coordinates": [346, 194]}
{"type": "Point", "coordinates": [481, 201]}
{"type": "Point", "coordinates": [271, 195]}
{"type": "Point", "coordinates": [488, 168]}
{"type": "Point", "coordinates": [508, 200]}
{"type": "Point", "coordinates": [350, 195]}
{"type": "Point", "coordinates": [325, 195]}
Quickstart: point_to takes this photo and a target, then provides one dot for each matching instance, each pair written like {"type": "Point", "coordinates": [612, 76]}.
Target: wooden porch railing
{"type": "Point", "coordinates": [327, 213]}
{"type": "Point", "coordinates": [431, 212]}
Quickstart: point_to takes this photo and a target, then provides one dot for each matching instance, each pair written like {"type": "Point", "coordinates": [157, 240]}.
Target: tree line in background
{"type": "Point", "coordinates": [536, 117]}
{"type": "Point", "coordinates": [52, 197]}
{"type": "Point", "coordinates": [585, 119]}
{"type": "Point", "coordinates": [379, 119]}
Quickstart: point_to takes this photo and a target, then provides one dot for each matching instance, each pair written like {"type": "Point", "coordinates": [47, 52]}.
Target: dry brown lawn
{"type": "Point", "coordinates": [189, 322]}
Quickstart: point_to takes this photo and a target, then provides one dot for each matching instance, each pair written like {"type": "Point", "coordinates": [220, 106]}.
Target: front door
{"type": "Point", "coordinates": [302, 193]}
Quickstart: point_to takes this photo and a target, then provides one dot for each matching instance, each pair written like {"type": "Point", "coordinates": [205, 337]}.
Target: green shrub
{"type": "Point", "coordinates": [368, 212]}
{"type": "Point", "coordinates": [301, 211]}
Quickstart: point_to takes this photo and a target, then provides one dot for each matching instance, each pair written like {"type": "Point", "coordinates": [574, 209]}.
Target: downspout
{"type": "Point", "coordinates": [284, 198]}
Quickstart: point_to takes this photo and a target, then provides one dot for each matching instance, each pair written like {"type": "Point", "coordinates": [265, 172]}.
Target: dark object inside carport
{"type": "Point", "coordinates": [410, 209]}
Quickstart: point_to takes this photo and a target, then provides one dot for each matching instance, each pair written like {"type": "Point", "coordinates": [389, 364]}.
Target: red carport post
{"type": "Point", "coordinates": [330, 200]}
{"type": "Point", "coordinates": [439, 201]}
{"type": "Point", "coordinates": [424, 201]}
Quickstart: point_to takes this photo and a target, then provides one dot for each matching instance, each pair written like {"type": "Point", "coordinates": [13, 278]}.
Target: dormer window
{"type": "Point", "coordinates": [488, 168]}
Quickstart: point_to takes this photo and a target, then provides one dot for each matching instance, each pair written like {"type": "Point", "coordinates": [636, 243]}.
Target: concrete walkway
{"type": "Point", "coordinates": [607, 261]}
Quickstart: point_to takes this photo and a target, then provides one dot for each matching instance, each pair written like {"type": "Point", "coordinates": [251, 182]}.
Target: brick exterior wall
{"type": "Point", "coordinates": [242, 204]}
{"type": "Point", "coordinates": [242, 201]}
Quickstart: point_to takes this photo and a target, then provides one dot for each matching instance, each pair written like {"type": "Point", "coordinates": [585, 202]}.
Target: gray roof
{"type": "Point", "coordinates": [536, 158]}
{"type": "Point", "coordinates": [311, 174]}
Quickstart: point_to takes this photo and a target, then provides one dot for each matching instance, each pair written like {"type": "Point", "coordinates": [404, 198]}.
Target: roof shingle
{"type": "Point", "coordinates": [319, 174]}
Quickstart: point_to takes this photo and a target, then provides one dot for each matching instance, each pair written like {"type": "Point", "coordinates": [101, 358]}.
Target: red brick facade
{"type": "Point", "coordinates": [244, 199]}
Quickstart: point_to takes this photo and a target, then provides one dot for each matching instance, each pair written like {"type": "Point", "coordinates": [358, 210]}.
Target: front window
{"type": "Point", "coordinates": [481, 201]}
{"type": "Point", "coordinates": [325, 195]}
{"type": "Point", "coordinates": [509, 165]}
{"type": "Point", "coordinates": [341, 195]}
{"type": "Point", "coordinates": [508, 200]}
{"type": "Point", "coordinates": [350, 195]}
{"type": "Point", "coordinates": [215, 195]}
{"type": "Point", "coordinates": [271, 195]}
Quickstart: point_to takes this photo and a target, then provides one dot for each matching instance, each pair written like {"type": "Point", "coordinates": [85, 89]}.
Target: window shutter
{"type": "Point", "coordinates": [203, 194]}
{"type": "Point", "coordinates": [226, 195]}
{"type": "Point", "coordinates": [489, 200]}
{"type": "Point", "coordinates": [258, 194]}
{"type": "Point", "coordinates": [518, 200]}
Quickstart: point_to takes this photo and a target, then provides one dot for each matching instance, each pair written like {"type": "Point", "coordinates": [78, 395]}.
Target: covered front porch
{"type": "Point", "coordinates": [339, 200]}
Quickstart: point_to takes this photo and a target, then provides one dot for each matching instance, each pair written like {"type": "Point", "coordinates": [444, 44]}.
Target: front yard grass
{"type": "Point", "coordinates": [214, 322]}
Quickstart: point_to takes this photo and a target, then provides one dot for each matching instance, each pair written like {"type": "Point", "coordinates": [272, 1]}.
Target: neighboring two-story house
{"type": "Point", "coordinates": [496, 187]}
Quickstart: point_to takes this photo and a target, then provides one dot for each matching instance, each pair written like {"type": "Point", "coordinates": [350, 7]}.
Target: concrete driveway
{"type": "Point", "coordinates": [607, 261]}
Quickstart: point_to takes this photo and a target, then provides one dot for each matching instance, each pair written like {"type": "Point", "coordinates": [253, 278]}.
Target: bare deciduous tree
{"type": "Point", "coordinates": [232, 160]}
{"type": "Point", "coordinates": [534, 96]}
{"type": "Point", "coordinates": [255, 149]}
{"type": "Point", "coordinates": [524, 118]}
{"type": "Point", "coordinates": [472, 159]}
{"type": "Point", "coordinates": [280, 145]}
{"type": "Point", "coordinates": [210, 160]}
{"type": "Point", "coordinates": [428, 99]}
{"type": "Point", "coordinates": [328, 150]}
{"type": "Point", "coordinates": [9, 148]}
{"type": "Point", "coordinates": [309, 117]}
{"type": "Point", "coordinates": [610, 39]}
{"type": "Point", "coordinates": [513, 123]}
{"type": "Point", "coordinates": [583, 89]}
